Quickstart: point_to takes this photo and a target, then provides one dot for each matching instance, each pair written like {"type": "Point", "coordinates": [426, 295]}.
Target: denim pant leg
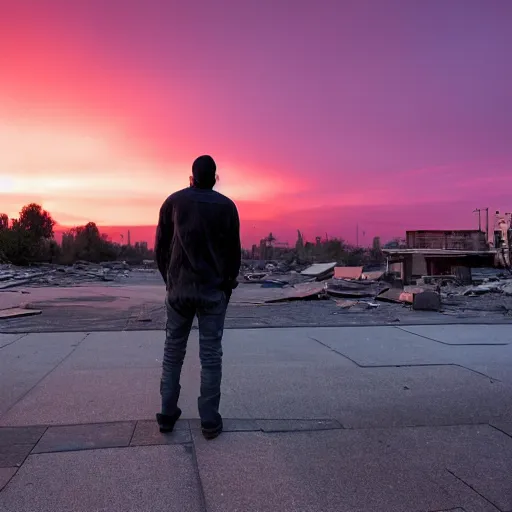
{"type": "Point", "coordinates": [211, 328]}
{"type": "Point", "coordinates": [179, 323]}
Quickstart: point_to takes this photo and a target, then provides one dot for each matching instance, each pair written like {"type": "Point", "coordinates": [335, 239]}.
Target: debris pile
{"type": "Point", "coordinates": [59, 275]}
{"type": "Point", "coordinates": [353, 288]}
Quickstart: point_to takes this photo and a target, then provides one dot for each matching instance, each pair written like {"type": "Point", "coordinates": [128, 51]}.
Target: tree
{"type": "Point", "coordinates": [36, 221]}
{"type": "Point", "coordinates": [4, 221]}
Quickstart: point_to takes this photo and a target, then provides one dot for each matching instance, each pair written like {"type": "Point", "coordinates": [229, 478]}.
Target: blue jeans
{"type": "Point", "coordinates": [180, 315]}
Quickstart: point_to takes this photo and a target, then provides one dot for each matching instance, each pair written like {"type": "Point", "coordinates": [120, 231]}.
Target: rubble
{"type": "Point", "coordinates": [348, 272]}
{"type": "Point", "coordinates": [18, 312]}
{"type": "Point", "coordinates": [395, 295]}
{"type": "Point", "coordinates": [320, 271]}
{"type": "Point", "coordinates": [304, 291]}
{"type": "Point", "coordinates": [60, 275]}
{"type": "Point", "coordinates": [375, 275]}
{"type": "Point", "coordinates": [426, 301]}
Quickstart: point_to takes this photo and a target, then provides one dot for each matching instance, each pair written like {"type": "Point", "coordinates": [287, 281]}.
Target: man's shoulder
{"type": "Point", "coordinates": [221, 198]}
{"type": "Point", "coordinates": [175, 196]}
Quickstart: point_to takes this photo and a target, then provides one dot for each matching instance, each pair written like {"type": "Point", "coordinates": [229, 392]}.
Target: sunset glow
{"type": "Point", "coordinates": [389, 117]}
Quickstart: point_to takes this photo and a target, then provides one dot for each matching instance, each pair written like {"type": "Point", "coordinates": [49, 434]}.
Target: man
{"type": "Point", "coordinates": [198, 254]}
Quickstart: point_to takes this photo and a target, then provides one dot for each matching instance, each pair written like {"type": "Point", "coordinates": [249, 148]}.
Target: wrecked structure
{"type": "Point", "coordinates": [442, 253]}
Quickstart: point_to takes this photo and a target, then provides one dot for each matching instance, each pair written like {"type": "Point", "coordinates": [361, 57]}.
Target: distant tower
{"type": "Point", "coordinates": [129, 239]}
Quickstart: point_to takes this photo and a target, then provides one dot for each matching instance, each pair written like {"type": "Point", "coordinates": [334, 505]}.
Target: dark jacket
{"type": "Point", "coordinates": [198, 243]}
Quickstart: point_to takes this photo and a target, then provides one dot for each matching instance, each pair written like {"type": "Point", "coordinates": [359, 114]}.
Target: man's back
{"type": "Point", "coordinates": [198, 243]}
{"type": "Point", "coordinates": [198, 254]}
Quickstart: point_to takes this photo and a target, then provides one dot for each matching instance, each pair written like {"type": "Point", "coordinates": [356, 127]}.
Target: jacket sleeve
{"type": "Point", "coordinates": [235, 247]}
{"type": "Point", "coordinates": [164, 234]}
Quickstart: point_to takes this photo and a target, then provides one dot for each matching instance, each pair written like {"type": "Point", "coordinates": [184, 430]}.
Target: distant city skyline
{"type": "Point", "coordinates": [388, 114]}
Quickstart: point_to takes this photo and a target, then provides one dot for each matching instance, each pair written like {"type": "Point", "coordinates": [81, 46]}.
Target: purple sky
{"type": "Point", "coordinates": [394, 114]}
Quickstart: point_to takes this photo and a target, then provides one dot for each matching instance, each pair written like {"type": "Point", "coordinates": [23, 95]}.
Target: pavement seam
{"type": "Point", "coordinates": [14, 341]}
{"type": "Point", "coordinates": [135, 423]}
{"type": "Point", "coordinates": [403, 329]}
{"type": "Point", "coordinates": [55, 329]}
{"type": "Point", "coordinates": [499, 430]}
{"type": "Point", "coordinates": [473, 489]}
{"type": "Point", "coordinates": [44, 376]}
{"type": "Point", "coordinates": [26, 457]}
{"type": "Point", "coordinates": [195, 463]}
{"type": "Point", "coordinates": [335, 351]}
{"type": "Point", "coordinates": [419, 365]}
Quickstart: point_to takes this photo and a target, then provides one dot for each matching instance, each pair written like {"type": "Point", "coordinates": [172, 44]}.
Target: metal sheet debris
{"type": "Point", "coordinates": [18, 312]}
{"type": "Point", "coordinates": [345, 304]}
{"type": "Point", "coordinates": [374, 275]}
{"type": "Point", "coordinates": [304, 291]}
{"type": "Point", "coordinates": [348, 272]}
{"type": "Point", "coordinates": [395, 295]}
{"type": "Point", "coordinates": [319, 270]}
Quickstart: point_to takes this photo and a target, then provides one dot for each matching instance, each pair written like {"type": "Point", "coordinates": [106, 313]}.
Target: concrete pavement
{"type": "Point", "coordinates": [415, 418]}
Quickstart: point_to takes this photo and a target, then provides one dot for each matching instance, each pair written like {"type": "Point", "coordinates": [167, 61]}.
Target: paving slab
{"type": "Point", "coordinates": [147, 433]}
{"type": "Point", "coordinates": [20, 435]}
{"type": "Point", "coordinates": [380, 346]}
{"type": "Point", "coordinates": [85, 437]}
{"type": "Point", "coordinates": [309, 471]}
{"type": "Point", "coordinates": [24, 363]}
{"type": "Point", "coordinates": [13, 455]}
{"type": "Point", "coordinates": [263, 346]}
{"type": "Point", "coordinates": [478, 455]}
{"type": "Point", "coordinates": [89, 396]}
{"type": "Point", "coordinates": [370, 397]}
{"type": "Point", "coordinates": [464, 334]}
{"type": "Point", "coordinates": [148, 478]}
{"type": "Point", "coordinates": [5, 475]}
{"type": "Point", "coordinates": [125, 349]}
{"type": "Point", "coordinates": [94, 396]}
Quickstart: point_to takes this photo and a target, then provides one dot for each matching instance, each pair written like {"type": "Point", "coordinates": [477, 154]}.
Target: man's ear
{"type": "Point", "coordinates": [191, 180]}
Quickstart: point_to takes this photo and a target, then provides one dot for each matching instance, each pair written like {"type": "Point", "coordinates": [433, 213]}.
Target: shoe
{"type": "Point", "coordinates": [166, 423]}
{"type": "Point", "coordinates": [211, 431]}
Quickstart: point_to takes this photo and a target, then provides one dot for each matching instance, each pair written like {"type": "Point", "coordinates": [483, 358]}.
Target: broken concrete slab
{"type": "Point", "coordinates": [345, 303]}
{"type": "Point", "coordinates": [319, 270]}
{"type": "Point", "coordinates": [303, 291]}
{"type": "Point", "coordinates": [395, 295]}
{"type": "Point", "coordinates": [494, 287]}
{"type": "Point", "coordinates": [426, 301]}
{"type": "Point", "coordinates": [374, 275]}
{"type": "Point", "coordinates": [348, 272]}
{"type": "Point", "coordinates": [350, 293]}
{"type": "Point", "coordinates": [18, 312]}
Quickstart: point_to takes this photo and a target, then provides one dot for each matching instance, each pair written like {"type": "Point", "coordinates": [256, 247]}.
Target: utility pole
{"type": "Point", "coordinates": [479, 218]}
{"type": "Point", "coordinates": [357, 235]}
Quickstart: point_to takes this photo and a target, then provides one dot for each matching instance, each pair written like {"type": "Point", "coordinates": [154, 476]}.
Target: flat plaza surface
{"type": "Point", "coordinates": [414, 418]}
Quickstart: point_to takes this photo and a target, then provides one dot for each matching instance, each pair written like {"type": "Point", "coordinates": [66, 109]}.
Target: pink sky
{"type": "Point", "coordinates": [392, 115]}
